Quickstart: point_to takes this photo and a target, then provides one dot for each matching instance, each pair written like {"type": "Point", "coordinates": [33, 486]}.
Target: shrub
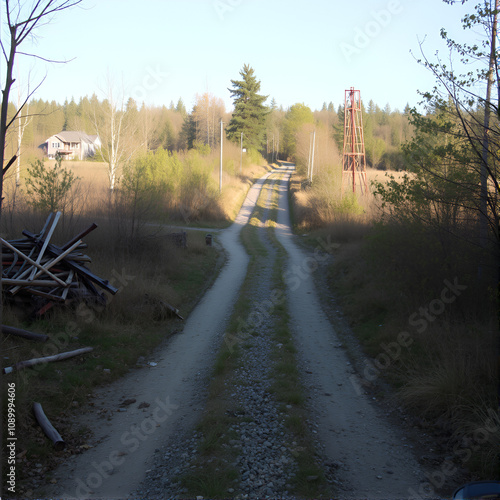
{"type": "Point", "coordinates": [47, 187]}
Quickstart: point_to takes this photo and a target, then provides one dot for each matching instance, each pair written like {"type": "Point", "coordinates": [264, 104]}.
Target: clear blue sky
{"type": "Point", "coordinates": [302, 51]}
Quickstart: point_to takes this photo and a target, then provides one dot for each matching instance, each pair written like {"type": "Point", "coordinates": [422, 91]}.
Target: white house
{"type": "Point", "coordinates": [72, 145]}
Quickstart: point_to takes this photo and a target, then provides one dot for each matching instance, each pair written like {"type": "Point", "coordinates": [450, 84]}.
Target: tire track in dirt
{"type": "Point", "coordinates": [371, 457]}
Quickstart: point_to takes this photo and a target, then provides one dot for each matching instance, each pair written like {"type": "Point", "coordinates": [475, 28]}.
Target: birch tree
{"type": "Point", "coordinates": [116, 132]}
{"type": "Point", "coordinates": [23, 122]}
{"type": "Point", "coordinates": [208, 112]}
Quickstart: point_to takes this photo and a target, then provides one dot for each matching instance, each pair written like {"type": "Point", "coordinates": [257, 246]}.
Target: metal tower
{"type": "Point", "coordinates": [353, 161]}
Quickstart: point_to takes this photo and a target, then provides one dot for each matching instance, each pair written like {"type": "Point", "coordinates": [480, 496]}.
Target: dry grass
{"type": "Point", "coordinates": [148, 270]}
{"type": "Point", "coordinates": [387, 284]}
{"type": "Point", "coordinates": [386, 276]}
{"type": "Point", "coordinates": [321, 207]}
{"type": "Point", "coordinates": [194, 200]}
{"type": "Point", "coordinates": [141, 262]}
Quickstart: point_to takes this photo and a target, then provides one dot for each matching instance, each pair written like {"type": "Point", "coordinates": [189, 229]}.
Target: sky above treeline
{"type": "Point", "coordinates": [311, 51]}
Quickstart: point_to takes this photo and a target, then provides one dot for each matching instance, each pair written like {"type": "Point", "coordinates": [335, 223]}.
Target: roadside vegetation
{"type": "Point", "coordinates": [418, 257]}
{"type": "Point", "coordinates": [390, 276]}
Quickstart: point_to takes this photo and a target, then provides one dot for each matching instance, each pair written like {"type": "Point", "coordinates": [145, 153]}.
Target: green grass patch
{"type": "Point", "coordinates": [212, 481]}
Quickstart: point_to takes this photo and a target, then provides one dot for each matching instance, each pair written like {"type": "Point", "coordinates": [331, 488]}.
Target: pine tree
{"type": "Point", "coordinates": [180, 108]}
{"type": "Point", "coordinates": [249, 114]}
{"type": "Point", "coordinates": [187, 135]}
{"type": "Point", "coordinates": [70, 112]}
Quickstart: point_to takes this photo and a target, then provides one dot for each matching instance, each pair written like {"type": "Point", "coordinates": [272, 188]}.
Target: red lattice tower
{"type": "Point", "coordinates": [353, 161]}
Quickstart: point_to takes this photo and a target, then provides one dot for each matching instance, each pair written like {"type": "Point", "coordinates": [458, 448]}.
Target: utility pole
{"type": "Point", "coordinates": [241, 154]}
{"type": "Point", "coordinates": [220, 172]}
{"type": "Point", "coordinates": [312, 155]}
{"type": "Point", "coordinates": [309, 156]}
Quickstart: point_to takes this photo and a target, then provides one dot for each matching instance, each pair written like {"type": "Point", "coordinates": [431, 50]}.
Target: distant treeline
{"type": "Point", "coordinates": [174, 128]}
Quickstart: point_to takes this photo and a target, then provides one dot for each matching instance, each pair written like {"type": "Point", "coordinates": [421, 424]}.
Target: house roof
{"type": "Point", "coordinates": [75, 136]}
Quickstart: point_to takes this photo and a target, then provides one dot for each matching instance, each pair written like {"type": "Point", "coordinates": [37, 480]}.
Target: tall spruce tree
{"type": "Point", "coordinates": [249, 114]}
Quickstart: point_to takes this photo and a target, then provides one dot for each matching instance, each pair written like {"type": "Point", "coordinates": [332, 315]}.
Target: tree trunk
{"type": "Point", "coordinates": [483, 212]}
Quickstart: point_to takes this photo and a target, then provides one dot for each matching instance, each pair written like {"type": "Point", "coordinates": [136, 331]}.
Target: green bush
{"type": "Point", "coordinates": [348, 205]}
{"type": "Point", "coordinates": [253, 157]}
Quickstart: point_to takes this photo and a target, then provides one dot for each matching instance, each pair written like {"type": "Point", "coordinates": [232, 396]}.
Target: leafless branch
{"type": "Point", "coordinates": [45, 59]}
{"type": "Point", "coordinates": [16, 114]}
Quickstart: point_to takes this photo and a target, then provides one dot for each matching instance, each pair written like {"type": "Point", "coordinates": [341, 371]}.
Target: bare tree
{"type": "Point", "coordinates": [116, 131]}
{"type": "Point", "coordinates": [23, 121]}
{"type": "Point", "coordinates": [208, 112]}
{"type": "Point", "coordinates": [21, 22]}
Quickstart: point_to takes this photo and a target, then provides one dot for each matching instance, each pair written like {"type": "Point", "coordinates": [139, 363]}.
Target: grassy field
{"type": "Point", "coordinates": [186, 190]}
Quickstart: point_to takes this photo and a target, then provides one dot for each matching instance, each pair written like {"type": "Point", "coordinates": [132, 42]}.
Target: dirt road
{"type": "Point", "coordinates": [373, 459]}
{"type": "Point", "coordinates": [115, 466]}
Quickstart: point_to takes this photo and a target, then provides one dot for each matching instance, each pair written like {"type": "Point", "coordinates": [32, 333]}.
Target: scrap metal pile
{"type": "Point", "coordinates": [42, 274]}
